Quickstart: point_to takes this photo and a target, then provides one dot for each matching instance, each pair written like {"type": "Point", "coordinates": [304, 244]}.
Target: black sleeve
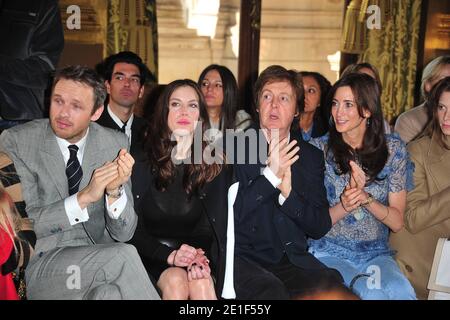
{"type": "Point", "coordinates": [45, 49]}
{"type": "Point", "coordinates": [147, 246]}
{"type": "Point", "coordinates": [309, 208]}
{"type": "Point", "coordinates": [253, 193]}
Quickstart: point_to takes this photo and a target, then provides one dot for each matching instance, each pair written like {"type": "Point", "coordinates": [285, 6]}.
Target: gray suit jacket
{"type": "Point", "coordinates": [41, 168]}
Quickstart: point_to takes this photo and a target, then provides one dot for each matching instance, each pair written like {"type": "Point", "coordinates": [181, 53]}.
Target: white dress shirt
{"type": "Point", "coordinates": [73, 210]}
{"type": "Point", "coordinates": [120, 123]}
{"type": "Point", "coordinates": [274, 180]}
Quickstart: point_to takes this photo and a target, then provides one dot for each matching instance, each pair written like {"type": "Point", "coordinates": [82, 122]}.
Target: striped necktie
{"type": "Point", "coordinates": [124, 127]}
{"type": "Point", "coordinates": [73, 170]}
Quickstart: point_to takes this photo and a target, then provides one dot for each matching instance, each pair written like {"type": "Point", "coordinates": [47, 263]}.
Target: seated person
{"type": "Point", "coordinates": [411, 124]}
{"type": "Point", "coordinates": [367, 68]}
{"type": "Point", "coordinates": [75, 180]}
{"type": "Point", "coordinates": [427, 216]}
{"type": "Point", "coordinates": [182, 223]}
{"type": "Point", "coordinates": [281, 201]}
{"type": "Point", "coordinates": [125, 76]}
{"type": "Point", "coordinates": [367, 193]}
{"type": "Point", "coordinates": [313, 121]}
{"type": "Point", "coordinates": [220, 90]}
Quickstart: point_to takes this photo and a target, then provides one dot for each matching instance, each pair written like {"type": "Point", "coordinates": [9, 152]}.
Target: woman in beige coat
{"type": "Point", "coordinates": [427, 216]}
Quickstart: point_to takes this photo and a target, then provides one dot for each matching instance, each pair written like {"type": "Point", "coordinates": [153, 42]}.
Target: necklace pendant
{"type": "Point", "coordinates": [359, 214]}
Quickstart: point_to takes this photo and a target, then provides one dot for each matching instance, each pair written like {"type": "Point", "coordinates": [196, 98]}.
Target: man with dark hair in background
{"type": "Point", "coordinates": [125, 75]}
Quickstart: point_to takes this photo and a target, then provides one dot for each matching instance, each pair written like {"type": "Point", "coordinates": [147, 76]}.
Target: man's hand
{"type": "Point", "coordinates": [286, 184]}
{"type": "Point", "coordinates": [125, 164]}
{"type": "Point", "coordinates": [281, 156]}
{"type": "Point", "coordinates": [95, 190]}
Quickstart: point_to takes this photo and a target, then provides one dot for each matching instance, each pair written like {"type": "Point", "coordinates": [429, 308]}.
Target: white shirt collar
{"type": "Point", "coordinates": [119, 122]}
{"type": "Point", "coordinates": [63, 146]}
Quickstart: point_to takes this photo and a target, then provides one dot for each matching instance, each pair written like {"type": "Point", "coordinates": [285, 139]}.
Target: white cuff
{"type": "Point", "coordinates": [273, 179]}
{"type": "Point", "coordinates": [228, 291]}
{"type": "Point", "coordinates": [74, 212]}
{"type": "Point", "coordinates": [281, 199]}
{"type": "Point", "coordinates": [115, 209]}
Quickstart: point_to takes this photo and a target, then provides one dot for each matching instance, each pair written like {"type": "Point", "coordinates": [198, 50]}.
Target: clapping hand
{"type": "Point", "coordinates": [357, 176]}
{"type": "Point", "coordinates": [281, 156]}
{"type": "Point", "coordinates": [286, 183]}
{"type": "Point", "coordinates": [354, 193]}
{"type": "Point", "coordinates": [351, 198]}
{"type": "Point", "coordinates": [124, 162]}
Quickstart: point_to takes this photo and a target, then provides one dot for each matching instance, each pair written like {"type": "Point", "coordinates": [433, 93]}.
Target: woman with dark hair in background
{"type": "Point", "coordinates": [220, 90]}
{"type": "Point", "coordinates": [313, 120]}
{"type": "Point", "coordinates": [427, 216]}
{"type": "Point", "coordinates": [366, 180]}
{"type": "Point", "coordinates": [181, 227]}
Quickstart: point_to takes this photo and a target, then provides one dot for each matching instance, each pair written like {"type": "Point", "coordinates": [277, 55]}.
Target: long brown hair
{"type": "Point", "coordinates": [432, 105]}
{"type": "Point", "coordinates": [159, 146]}
{"type": "Point", "coordinates": [230, 103]}
{"type": "Point", "coordinates": [367, 96]}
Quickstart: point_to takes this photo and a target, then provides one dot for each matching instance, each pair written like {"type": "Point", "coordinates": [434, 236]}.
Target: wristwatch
{"type": "Point", "coordinates": [115, 195]}
{"type": "Point", "coordinates": [368, 201]}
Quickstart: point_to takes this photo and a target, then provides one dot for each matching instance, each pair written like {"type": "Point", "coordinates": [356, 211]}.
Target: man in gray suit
{"type": "Point", "coordinates": [75, 180]}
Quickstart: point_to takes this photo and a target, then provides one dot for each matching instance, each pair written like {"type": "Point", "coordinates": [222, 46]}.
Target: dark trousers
{"type": "Point", "coordinates": [282, 281]}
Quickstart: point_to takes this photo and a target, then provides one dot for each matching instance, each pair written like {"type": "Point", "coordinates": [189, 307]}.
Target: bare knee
{"type": "Point", "coordinates": [173, 283]}
{"type": "Point", "coordinates": [202, 289]}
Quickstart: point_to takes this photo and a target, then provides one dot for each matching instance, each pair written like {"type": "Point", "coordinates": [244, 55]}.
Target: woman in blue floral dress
{"type": "Point", "coordinates": [367, 175]}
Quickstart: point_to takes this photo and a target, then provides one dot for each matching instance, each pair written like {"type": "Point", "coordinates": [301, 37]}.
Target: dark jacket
{"type": "Point", "coordinates": [31, 38]}
{"type": "Point", "coordinates": [265, 231]}
{"type": "Point", "coordinates": [213, 198]}
{"type": "Point", "coordinates": [319, 128]}
{"type": "Point", "coordinates": [137, 130]}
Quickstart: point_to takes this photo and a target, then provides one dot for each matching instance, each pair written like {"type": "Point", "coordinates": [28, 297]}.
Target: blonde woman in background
{"type": "Point", "coordinates": [17, 238]}
{"type": "Point", "coordinates": [412, 123]}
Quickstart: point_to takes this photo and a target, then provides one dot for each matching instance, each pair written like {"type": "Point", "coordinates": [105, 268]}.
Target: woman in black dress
{"type": "Point", "coordinates": [181, 230]}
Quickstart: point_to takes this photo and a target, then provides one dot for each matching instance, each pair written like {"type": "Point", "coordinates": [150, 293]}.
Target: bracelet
{"type": "Point", "coordinates": [115, 195]}
{"type": "Point", "coordinates": [368, 201]}
{"type": "Point", "coordinates": [386, 214]}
